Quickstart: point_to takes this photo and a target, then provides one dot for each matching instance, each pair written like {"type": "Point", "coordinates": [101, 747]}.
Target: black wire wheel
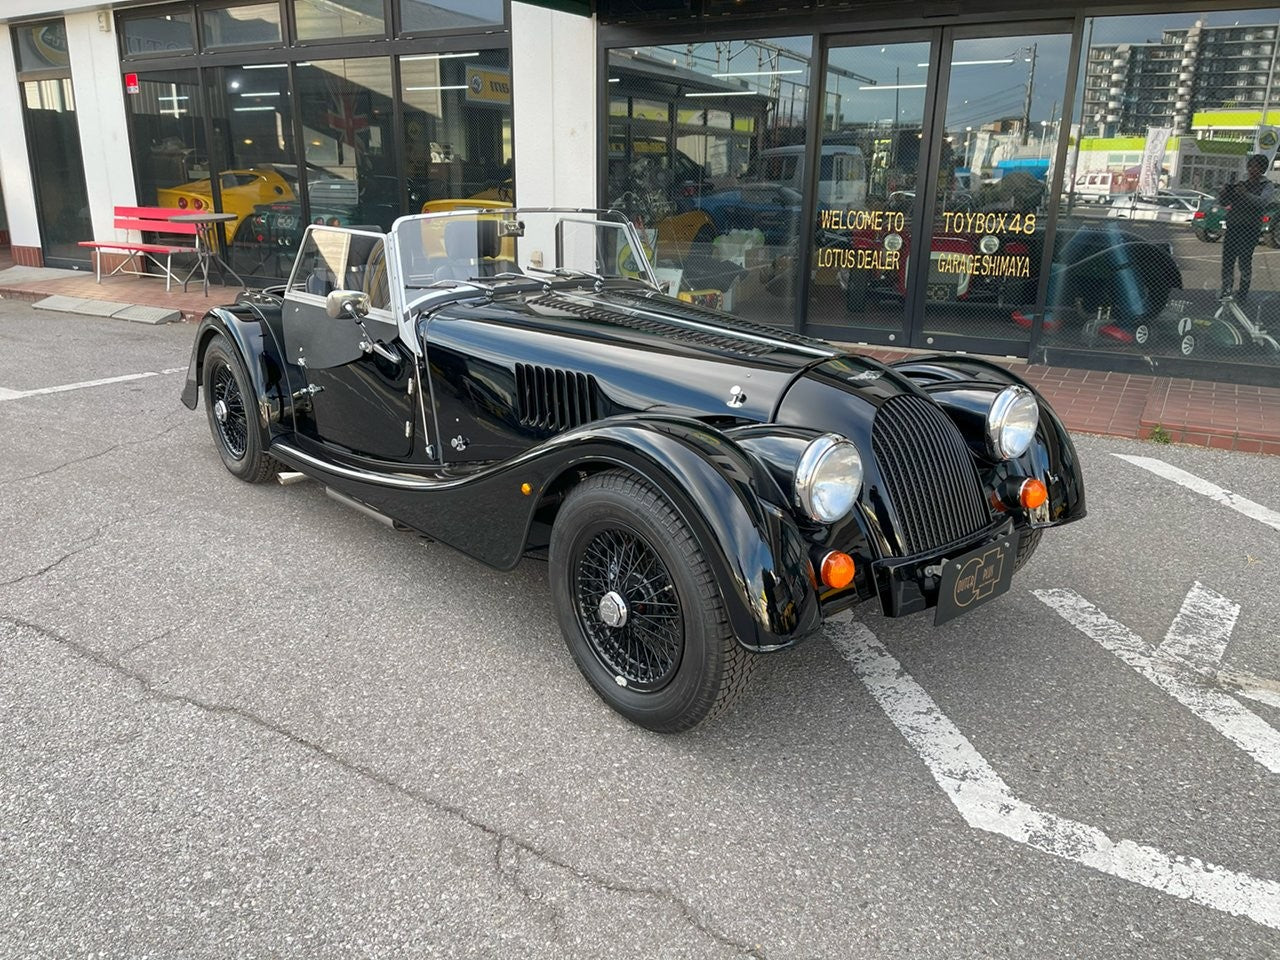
{"type": "Point", "coordinates": [229, 404]}
{"type": "Point", "coordinates": [639, 606]}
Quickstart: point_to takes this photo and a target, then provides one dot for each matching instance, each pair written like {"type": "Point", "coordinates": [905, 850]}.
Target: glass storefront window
{"type": "Point", "coordinates": [703, 156]}
{"type": "Point", "coordinates": [166, 116]}
{"type": "Point", "coordinates": [325, 20]}
{"type": "Point", "coordinates": [257, 24]}
{"type": "Point", "coordinates": [457, 126]}
{"type": "Point", "coordinates": [42, 46]}
{"type": "Point", "coordinates": [417, 16]}
{"type": "Point", "coordinates": [253, 150]}
{"type": "Point", "coordinates": [157, 34]}
{"type": "Point", "coordinates": [1161, 213]}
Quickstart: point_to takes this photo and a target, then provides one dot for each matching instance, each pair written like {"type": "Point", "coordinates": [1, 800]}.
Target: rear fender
{"type": "Point", "coordinates": [250, 335]}
{"type": "Point", "coordinates": [965, 388]}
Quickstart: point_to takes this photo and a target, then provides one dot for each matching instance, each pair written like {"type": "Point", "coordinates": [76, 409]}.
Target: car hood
{"type": "Point", "coordinates": [647, 352]}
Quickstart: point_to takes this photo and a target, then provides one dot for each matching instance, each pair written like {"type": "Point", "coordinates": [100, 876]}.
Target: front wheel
{"type": "Point", "coordinates": [639, 606]}
{"type": "Point", "coordinates": [229, 404]}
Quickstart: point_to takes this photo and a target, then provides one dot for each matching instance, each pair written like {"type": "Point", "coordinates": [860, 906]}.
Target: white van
{"type": "Point", "coordinates": [1097, 186]}
{"type": "Point", "coordinates": [842, 172]}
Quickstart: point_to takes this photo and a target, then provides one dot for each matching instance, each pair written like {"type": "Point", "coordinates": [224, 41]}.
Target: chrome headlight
{"type": "Point", "coordinates": [1012, 422]}
{"type": "Point", "coordinates": [828, 478]}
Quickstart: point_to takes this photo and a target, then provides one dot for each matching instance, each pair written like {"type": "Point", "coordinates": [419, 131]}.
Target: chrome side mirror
{"type": "Point", "coordinates": [347, 303]}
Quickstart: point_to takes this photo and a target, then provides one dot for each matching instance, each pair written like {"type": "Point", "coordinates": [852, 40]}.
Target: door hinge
{"type": "Point", "coordinates": [408, 428]}
{"type": "Point", "coordinates": [411, 386]}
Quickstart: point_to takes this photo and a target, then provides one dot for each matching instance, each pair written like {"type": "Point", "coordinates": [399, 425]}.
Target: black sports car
{"type": "Point", "coordinates": [705, 490]}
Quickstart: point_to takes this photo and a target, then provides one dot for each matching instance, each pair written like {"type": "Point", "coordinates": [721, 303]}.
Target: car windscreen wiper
{"type": "Point", "coordinates": [568, 274]}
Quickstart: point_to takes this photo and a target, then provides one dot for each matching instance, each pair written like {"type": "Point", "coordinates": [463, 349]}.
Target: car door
{"type": "Point", "coordinates": [358, 395]}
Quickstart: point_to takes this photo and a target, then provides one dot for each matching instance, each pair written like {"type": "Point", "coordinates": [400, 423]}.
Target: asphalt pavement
{"type": "Point", "coordinates": [245, 721]}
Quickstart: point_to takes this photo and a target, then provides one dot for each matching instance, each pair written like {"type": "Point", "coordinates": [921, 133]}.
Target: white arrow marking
{"type": "Point", "coordinates": [1202, 628]}
{"type": "Point", "coordinates": [1174, 676]}
{"type": "Point", "coordinates": [1255, 511]}
{"type": "Point", "coordinates": [986, 802]}
{"type": "Point", "coordinates": [19, 394]}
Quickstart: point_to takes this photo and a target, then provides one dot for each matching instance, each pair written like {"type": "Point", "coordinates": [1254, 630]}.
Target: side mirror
{"type": "Point", "coordinates": [347, 303]}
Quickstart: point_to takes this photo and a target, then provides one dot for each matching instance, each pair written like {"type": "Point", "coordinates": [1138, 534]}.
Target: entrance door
{"type": "Point", "coordinates": [957, 128]}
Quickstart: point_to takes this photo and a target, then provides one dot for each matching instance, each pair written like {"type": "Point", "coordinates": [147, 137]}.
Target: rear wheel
{"type": "Point", "coordinates": [229, 404]}
{"type": "Point", "coordinates": [639, 606]}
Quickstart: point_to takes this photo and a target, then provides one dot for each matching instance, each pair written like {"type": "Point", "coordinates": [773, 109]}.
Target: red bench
{"type": "Point", "coordinates": [146, 220]}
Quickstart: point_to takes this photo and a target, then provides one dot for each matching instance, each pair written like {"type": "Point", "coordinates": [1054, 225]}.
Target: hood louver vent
{"type": "Point", "coordinates": [668, 331]}
{"type": "Point", "coordinates": [555, 400]}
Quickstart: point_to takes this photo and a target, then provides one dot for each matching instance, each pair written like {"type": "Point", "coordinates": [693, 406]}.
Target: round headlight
{"type": "Point", "coordinates": [1012, 422]}
{"type": "Point", "coordinates": [828, 478]}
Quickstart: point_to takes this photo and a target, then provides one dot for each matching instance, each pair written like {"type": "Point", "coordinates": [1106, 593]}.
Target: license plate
{"type": "Point", "coordinates": [971, 580]}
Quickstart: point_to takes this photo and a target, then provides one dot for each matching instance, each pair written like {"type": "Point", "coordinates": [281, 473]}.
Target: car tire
{"type": "Point", "coordinates": [639, 606]}
{"type": "Point", "coordinates": [231, 421]}
{"type": "Point", "coordinates": [1273, 241]}
{"type": "Point", "coordinates": [1026, 547]}
{"type": "Point", "coordinates": [1209, 236]}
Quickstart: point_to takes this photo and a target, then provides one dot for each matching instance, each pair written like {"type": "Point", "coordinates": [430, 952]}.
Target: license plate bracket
{"type": "Point", "coordinates": [976, 577]}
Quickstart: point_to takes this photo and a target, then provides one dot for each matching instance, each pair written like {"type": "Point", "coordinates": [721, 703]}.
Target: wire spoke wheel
{"type": "Point", "coordinates": [628, 609]}
{"type": "Point", "coordinates": [229, 412]}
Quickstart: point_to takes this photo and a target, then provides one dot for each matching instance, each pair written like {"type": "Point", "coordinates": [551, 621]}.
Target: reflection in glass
{"type": "Point", "coordinates": [325, 20]}
{"type": "Point", "coordinates": [1170, 108]}
{"type": "Point", "coordinates": [42, 46]}
{"type": "Point", "coordinates": [873, 118]}
{"type": "Point", "coordinates": [457, 126]}
{"type": "Point", "coordinates": [999, 139]}
{"type": "Point", "coordinates": [161, 33]}
{"type": "Point", "coordinates": [257, 23]}
{"type": "Point", "coordinates": [706, 147]}
{"type": "Point", "coordinates": [417, 16]}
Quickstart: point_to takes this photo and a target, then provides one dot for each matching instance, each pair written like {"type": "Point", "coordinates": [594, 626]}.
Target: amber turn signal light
{"type": "Point", "coordinates": [1032, 493]}
{"type": "Point", "coordinates": [837, 570]}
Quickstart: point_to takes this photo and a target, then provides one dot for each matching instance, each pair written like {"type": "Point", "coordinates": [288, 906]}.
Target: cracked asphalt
{"type": "Point", "coordinates": [245, 721]}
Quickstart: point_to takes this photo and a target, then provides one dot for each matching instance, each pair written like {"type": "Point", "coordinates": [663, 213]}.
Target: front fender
{"type": "Point", "coordinates": [244, 327]}
{"type": "Point", "coordinates": [965, 387]}
{"type": "Point", "coordinates": [727, 498]}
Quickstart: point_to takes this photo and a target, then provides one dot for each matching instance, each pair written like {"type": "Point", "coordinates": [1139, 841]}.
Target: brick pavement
{"type": "Point", "coordinates": [1221, 415]}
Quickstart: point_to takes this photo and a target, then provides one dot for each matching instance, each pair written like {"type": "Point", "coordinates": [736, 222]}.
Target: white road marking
{"type": "Point", "coordinates": [1236, 502]}
{"type": "Point", "coordinates": [1173, 675]}
{"type": "Point", "coordinates": [84, 384]}
{"type": "Point", "coordinates": [1202, 629]}
{"type": "Point", "coordinates": [986, 802]}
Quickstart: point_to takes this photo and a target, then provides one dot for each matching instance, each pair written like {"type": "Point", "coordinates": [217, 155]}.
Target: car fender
{"type": "Point", "coordinates": [246, 329]}
{"type": "Point", "coordinates": [728, 499]}
{"type": "Point", "coordinates": [965, 387]}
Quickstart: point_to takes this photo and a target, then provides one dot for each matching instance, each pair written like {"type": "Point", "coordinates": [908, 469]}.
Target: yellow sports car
{"type": "Point", "coordinates": [242, 190]}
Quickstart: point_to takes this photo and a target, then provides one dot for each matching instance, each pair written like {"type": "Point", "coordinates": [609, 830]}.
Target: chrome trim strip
{"type": "Point", "coordinates": [398, 481]}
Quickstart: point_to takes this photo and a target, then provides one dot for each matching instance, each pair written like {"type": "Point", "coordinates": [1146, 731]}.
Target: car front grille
{"type": "Point", "coordinates": [928, 474]}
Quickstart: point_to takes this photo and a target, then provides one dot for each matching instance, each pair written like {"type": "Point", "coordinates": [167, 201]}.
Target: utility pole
{"type": "Point", "coordinates": [1026, 106]}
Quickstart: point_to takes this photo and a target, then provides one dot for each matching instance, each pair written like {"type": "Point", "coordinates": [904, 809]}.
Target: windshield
{"type": "Point", "coordinates": [507, 244]}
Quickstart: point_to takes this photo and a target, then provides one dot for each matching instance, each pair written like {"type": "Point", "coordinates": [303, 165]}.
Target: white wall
{"type": "Point", "coordinates": [553, 79]}
{"type": "Point", "coordinates": [100, 115]}
{"type": "Point", "coordinates": [15, 170]}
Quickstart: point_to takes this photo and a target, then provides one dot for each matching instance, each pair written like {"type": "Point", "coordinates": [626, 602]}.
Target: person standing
{"type": "Point", "coordinates": [1246, 201]}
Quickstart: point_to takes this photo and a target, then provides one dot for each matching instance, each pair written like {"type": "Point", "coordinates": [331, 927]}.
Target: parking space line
{"type": "Point", "coordinates": [1255, 511]}
{"type": "Point", "coordinates": [1202, 629]}
{"type": "Point", "coordinates": [986, 802]}
{"type": "Point", "coordinates": [1171, 674]}
{"type": "Point", "coordinates": [84, 384]}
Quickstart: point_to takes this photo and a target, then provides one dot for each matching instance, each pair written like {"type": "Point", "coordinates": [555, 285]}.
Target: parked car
{"type": "Point", "coordinates": [241, 190]}
{"type": "Point", "coordinates": [1165, 206]}
{"type": "Point", "coordinates": [704, 490]}
{"type": "Point", "coordinates": [1209, 222]}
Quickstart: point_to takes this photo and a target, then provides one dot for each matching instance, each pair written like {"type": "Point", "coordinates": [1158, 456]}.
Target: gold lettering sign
{"type": "Point", "coordinates": [840, 258]}
{"type": "Point", "coordinates": [984, 264]}
{"type": "Point", "coordinates": [1002, 221]}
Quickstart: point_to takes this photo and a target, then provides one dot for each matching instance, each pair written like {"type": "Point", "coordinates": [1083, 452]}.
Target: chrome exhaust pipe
{"type": "Point", "coordinates": [364, 508]}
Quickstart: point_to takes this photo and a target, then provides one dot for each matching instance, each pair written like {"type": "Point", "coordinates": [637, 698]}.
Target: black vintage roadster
{"type": "Point", "coordinates": [705, 490]}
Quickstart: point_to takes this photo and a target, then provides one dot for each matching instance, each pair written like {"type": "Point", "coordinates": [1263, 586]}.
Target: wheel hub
{"type": "Point", "coordinates": [613, 609]}
{"type": "Point", "coordinates": [220, 411]}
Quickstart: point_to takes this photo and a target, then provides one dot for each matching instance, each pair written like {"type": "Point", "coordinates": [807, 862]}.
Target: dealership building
{"type": "Point", "coordinates": [1005, 178]}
